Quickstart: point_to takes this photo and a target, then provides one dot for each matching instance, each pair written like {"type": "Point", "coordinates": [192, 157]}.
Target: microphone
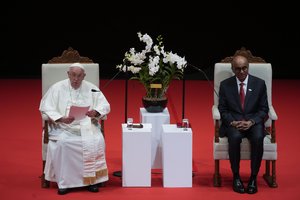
{"type": "Point", "coordinates": [106, 84]}
{"type": "Point", "coordinates": [200, 70]}
{"type": "Point", "coordinates": [126, 88]}
{"type": "Point", "coordinates": [93, 90]}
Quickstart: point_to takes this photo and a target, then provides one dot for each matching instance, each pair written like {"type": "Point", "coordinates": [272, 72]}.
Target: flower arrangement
{"type": "Point", "coordinates": [153, 66]}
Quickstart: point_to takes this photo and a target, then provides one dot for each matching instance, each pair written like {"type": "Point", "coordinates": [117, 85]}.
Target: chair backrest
{"type": "Point", "coordinates": [257, 67]}
{"type": "Point", "coordinates": [56, 69]}
{"type": "Point", "coordinates": [51, 73]}
{"type": "Point", "coordinates": [261, 70]}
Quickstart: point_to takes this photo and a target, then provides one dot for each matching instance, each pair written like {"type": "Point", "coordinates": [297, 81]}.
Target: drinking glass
{"type": "Point", "coordinates": [185, 124]}
{"type": "Point", "coordinates": [129, 123]}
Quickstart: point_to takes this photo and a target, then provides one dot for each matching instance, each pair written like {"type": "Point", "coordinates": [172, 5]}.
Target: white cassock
{"type": "Point", "coordinates": [76, 152]}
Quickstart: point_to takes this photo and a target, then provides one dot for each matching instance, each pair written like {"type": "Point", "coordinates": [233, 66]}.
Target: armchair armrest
{"type": "Point", "coordinates": [44, 116]}
{"type": "Point", "coordinates": [272, 113]}
{"type": "Point", "coordinates": [216, 113]}
{"type": "Point", "coordinates": [104, 117]}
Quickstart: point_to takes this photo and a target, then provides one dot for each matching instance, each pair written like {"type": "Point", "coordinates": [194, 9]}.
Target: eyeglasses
{"type": "Point", "coordinates": [239, 69]}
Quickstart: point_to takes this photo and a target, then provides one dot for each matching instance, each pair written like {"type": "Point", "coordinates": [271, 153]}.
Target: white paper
{"type": "Point", "coordinates": [79, 112]}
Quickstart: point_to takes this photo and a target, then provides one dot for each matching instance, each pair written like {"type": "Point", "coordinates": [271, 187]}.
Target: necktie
{"type": "Point", "coordinates": [242, 94]}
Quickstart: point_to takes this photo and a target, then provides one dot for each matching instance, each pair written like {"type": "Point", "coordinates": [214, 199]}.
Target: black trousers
{"type": "Point", "coordinates": [256, 136]}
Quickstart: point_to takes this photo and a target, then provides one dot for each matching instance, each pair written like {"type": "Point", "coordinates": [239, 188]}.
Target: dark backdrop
{"type": "Point", "coordinates": [203, 32]}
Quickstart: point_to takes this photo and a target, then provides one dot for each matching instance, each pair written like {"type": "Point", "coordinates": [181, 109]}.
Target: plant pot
{"type": "Point", "coordinates": [155, 105]}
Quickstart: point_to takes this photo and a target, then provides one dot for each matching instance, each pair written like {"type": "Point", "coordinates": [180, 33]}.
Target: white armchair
{"type": "Point", "coordinates": [259, 68]}
{"type": "Point", "coordinates": [54, 71]}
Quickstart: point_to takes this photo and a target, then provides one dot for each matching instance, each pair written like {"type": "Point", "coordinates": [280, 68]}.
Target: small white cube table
{"type": "Point", "coordinates": [177, 156]}
{"type": "Point", "coordinates": [136, 156]}
{"type": "Point", "coordinates": [157, 120]}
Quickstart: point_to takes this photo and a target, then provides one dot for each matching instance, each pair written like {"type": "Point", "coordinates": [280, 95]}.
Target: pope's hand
{"type": "Point", "coordinates": [92, 113]}
{"type": "Point", "coordinates": [66, 120]}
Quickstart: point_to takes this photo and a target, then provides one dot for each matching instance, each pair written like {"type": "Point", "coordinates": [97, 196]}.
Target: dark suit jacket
{"type": "Point", "coordinates": [255, 107]}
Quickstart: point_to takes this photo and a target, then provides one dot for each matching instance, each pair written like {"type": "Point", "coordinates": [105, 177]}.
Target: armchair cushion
{"type": "Point", "coordinates": [221, 149]}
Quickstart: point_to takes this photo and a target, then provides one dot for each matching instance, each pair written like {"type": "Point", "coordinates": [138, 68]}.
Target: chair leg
{"type": "Point", "coordinates": [217, 176]}
{"type": "Point", "coordinates": [44, 182]}
{"type": "Point", "coordinates": [270, 178]}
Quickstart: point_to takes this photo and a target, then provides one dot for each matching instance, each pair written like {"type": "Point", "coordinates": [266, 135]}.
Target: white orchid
{"type": "Point", "coordinates": [153, 65]}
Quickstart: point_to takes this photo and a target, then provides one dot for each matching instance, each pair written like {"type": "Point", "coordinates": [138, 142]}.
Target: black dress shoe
{"type": "Point", "coordinates": [93, 188]}
{"type": "Point", "coordinates": [238, 186]}
{"type": "Point", "coordinates": [62, 191]}
{"type": "Point", "coordinates": [252, 186]}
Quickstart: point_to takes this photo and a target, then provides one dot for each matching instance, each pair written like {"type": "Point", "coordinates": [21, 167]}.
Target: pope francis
{"type": "Point", "coordinates": [76, 148]}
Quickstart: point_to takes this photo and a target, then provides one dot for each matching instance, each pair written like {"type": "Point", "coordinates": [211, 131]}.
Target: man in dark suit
{"type": "Point", "coordinates": [243, 117]}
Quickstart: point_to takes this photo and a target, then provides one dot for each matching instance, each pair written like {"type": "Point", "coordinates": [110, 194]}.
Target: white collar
{"type": "Point", "coordinates": [245, 81]}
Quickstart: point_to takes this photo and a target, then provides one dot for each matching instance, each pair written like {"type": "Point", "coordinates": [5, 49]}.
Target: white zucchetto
{"type": "Point", "coordinates": [77, 65]}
